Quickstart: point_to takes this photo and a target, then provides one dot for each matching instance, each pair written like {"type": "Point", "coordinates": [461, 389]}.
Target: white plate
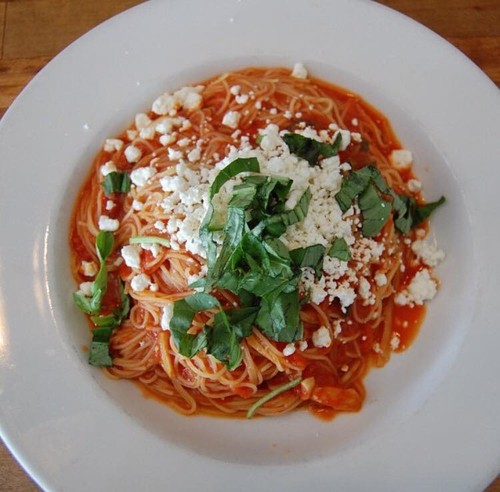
{"type": "Point", "coordinates": [431, 420]}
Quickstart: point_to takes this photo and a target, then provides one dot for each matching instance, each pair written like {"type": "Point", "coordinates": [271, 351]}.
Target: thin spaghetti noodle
{"type": "Point", "coordinates": [197, 128]}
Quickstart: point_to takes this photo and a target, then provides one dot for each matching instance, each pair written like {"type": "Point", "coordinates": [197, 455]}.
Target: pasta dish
{"type": "Point", "coordinates": [251, 245]}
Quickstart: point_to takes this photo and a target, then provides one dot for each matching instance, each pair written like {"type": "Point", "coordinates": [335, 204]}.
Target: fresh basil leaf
{"type": "Point", "coordinates": [223, 343]}
{"type": "Point", "coordinates": [311, 256]}
{"type": "Point", "coordinates": [340, 249]}
{"type": "Point", "coordinates": [238, 166]}
{"type": "Point", "coordinates": [234, 229]}
{"type": "Point", "coordinates": [375, 211]}
{"type": "Point", "coordinates": [277, 224]}
{"type": "Point", "coordinates": [92, 305]}
{"type": "Point", "coordinates": [422, 212]}
{"type": "Point", "coordinates": [310, 149]}
{"type": "Point", "coordinates": [186, 309]}
{"type": "Point", "coordinates": [99, 348]}
{"type": "Point", "coordinates": [182, 319]}
{"type": "Point", "coordinates": [352, 186]}
{"type": "Point", "coordinates": [83, 303]}
{"type": "Point", "coordinates": [279, 316]}
{"type": "Point", "coordinates": [116, 182]}
{"type": "Point", "coordinates": [242, 320]}
{"type": "Point", "coordinates": [104, 244]}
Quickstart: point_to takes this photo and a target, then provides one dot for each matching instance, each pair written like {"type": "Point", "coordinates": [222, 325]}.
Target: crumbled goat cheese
{"type": "Point", "coordinates": [137, 205]}
{"type": "Point", "coordinates": [321, 338]}
{"type": "Point", "coordinates": [430, 254]}
{"type": "Point", "coordinates": [148, 133]}
{"type": "Point", "coordinates": [154, 248]}
{"type": "Point", "coordinates": [235, 90]}
{"type": "Point", "coordinates": [414, 185]}
{"type": "Point", "coordinates": [303, 345]}
{"type": "Point", "coordinates": [131, 135]}
{"type": "Point", "coordinates": [133, 153]}
{"type": "Point", "coordinates": [231, 119]}
{"type": "Point", "coordinates": [112, 145]}
{"type": "Point", "coordinates": [86, 289]}
{"type": "Point", "coordinates": [110, 205]}
{"type": "Point", "coordinates": [401, 159]}
{"type": "Point", "coordinates": [189, 98]}
{"type": "Point", "coordinates": [108, 167]}
{"type": "Point", "coordinates": [132, 256]}
{"type": "Point", "coordinates": [289, 349]}
{"type": "Point", "coordinates": [89, 268]}
{"type": "Point", "coordinates": [395, 341]}
{"type": "Point", "coordinates": [140, 282]}
{"type": "Point", "coordinates": [421, 288]}
{"type": "Point", "coordinates": [364, 288]}
{"type": "Point", "coordinates": [242, 99]}
{"type": "Point", "coordinates": [380, 279]}
{"type": "Point", "coordinates": [166, 317]}
{"type": "Point", "coordinates": [141, 175]}
{"type": "Point", "coordinates": [142, 120]}
{"type": "Point", "coordinates": [108, 224]}
{"type": "Point", "coordinates": [299, 71]}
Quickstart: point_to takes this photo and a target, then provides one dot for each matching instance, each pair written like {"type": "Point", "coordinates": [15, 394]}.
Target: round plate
{"type": "Point", "coordinates": [431, 417]}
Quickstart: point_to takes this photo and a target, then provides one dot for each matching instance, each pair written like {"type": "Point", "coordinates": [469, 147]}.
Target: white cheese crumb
{"type": "Point", "coordinates": [132, 256]}
{"type": "Point", "coordinates": [140, 282]}
{"type": "Point", "coordinates": [108, 224]}
{"type": "Point", "coordinates": [167, 139]}
{"type": "Point", "coordinates": [132, 153]}
{"type": "Point", "coordinates": [194, 155]}
{"type": "Point", "coordinates": [174, 155]}
{"type": "Point", "coordinates": [131, 134]}
{"type": "Point", "coordinates": [112, 145]}
{"type": "Point", "coordinates": [430, 254]}
{"type": "Point", "coordinates": [231, 119]}
{"type": "Point", "coordinates": [142, 120]}
{"type": "Point", "coordinates": [289, 349]}
{"type": "Point", "coordinates": [299, 71]}
{"type": "Point", "coordinates": [137, 205]}
{"type": "Point", "coordinates": [166, 317]}
{"type": "Point", "coordinates": [395, 341]}
{"type": "Point", "coordinates": [321, 337]}
{"type": "Point", "coordinates": [364, 288]}
{"type": "Point", "coordinates": [108, 167]}
{"type": "Point", "coordinates": [414, 185]}
{"type": "Point", "coordinates": [86, 289]}
{"type": "Point", "coordinates": [401, 159]}
{"type": "Point", "coordinates": [303, 345]}
{"type": "Point", "coordinates": [89, 268]}
{"type": "Point", "coordinates": [141, 175]}
{"type": "Point", "coordinates": [242, 99]}
{"type": "Point", "coordinates": [235, 90]}
{"type": "Point", "coordinates": [422, 288]}
{"type": "Point", "coordinates": [380, 279]}
{"type": "Point", "coordinates": [110, 205]}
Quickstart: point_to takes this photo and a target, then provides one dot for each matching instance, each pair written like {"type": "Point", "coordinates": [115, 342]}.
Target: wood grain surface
{"type": "Point", "coordinates": [34, 31]}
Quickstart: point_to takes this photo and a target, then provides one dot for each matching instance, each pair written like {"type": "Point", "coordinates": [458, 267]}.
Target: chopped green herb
{"type": "Point", "coordinates": [271, 395]}
{"type": "Point", "coordinates": [310, 149]}
{"type": "Point", "coordinates": [92, 305]}
{"type": "Point", "coordinates": [368, 187]}
{"type": "Point", "coordinates": [116, 182]}
{"type": "Point", "coordinates": [340, 249]}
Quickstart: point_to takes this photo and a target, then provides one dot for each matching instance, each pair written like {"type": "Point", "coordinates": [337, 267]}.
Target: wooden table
{"type": "Point", "coordinates": [34, 31]}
